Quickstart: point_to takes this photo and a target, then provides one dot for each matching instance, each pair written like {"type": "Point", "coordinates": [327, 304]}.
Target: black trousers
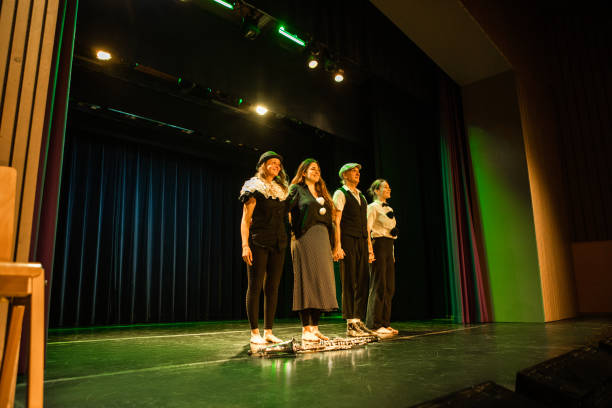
{"type": "Point", "coordinates": [310, 317]}
{"type": "Point", "coordinates": [265, 272]}
{"type": "Point", "coordinates": [355, 277]}
{"type": "Point", "coordinates": [382, 284]}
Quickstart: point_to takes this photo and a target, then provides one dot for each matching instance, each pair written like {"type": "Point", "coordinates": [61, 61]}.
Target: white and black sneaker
{"type": "Point", "coordinates": [353, 330]}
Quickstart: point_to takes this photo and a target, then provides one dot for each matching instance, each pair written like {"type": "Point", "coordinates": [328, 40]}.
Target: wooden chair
{"type": "Point", "coordinates": [22, 285]}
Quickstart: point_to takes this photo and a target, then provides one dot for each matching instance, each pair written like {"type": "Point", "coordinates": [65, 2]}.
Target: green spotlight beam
{"type": "Point", "coordinates": [292, 37]}
{"type": "Point", "coordinates": [225, 4]}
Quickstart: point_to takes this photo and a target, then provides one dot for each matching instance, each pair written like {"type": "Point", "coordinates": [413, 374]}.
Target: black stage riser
{"type": "Point", "coordinates": [580, 378]}
{"type": "Point", "coordinates": [485, 395]}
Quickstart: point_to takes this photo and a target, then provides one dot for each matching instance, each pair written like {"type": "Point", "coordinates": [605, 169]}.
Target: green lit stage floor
{"type": "Point", "coordinates": [206, 364]}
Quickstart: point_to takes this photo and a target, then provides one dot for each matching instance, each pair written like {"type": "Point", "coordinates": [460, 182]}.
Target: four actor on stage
{"type": "Point", "coordinates": [323, 230]}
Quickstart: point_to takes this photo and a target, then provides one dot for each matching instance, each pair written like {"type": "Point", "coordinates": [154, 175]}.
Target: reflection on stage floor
{"type": "Point", "coordinates": [208, 364]}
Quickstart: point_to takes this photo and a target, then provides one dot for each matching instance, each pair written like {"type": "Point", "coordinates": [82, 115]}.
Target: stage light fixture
{"type": "Point", "coordinates": [103, 55]}
{"type": "Point", "coordinates": [292, 37]}
{"type": "Point", "coordinates": [225, 4]}
{"type": "Point", "coordinates": [313, 61]}
{"type": "Point", "coordinates": [261, 110]}
{"type": "Point", "coordinates": [339, 75]}
{"type": "Point", "coordinates": [250, 28]}
{"type": "Point", "coordinates": [315, 56]}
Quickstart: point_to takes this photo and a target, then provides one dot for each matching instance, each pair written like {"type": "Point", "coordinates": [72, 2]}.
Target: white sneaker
{"type": "Point", "coordinates": [257, 339]}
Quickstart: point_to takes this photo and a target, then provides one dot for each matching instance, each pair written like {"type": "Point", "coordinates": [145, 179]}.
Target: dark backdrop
{"type": "Point", "coordinates": [115, 263]}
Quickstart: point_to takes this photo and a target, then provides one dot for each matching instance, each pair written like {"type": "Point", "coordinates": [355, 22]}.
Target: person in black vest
{"type": "Point", "coordinates": [264, 240]}
{"type": "Point", "coordinates": [354, 249]}
{"type": "Point", "coordinates": [383, 230]}
{"type": "Point", "coordinates": [314, 287]}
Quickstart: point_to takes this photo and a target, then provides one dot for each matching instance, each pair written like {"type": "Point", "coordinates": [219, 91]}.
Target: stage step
{"type": "Point", "coordinates": [580, 378]}
{"type": "Point", "coordinates": [485, 395]}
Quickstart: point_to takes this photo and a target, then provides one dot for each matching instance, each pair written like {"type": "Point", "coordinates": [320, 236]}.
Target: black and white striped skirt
{"type": "Point", "coordinates": [314, 286]}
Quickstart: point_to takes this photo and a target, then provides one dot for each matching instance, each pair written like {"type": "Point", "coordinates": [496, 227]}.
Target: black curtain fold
{"type": "Point", "coordinates": [145, 235]}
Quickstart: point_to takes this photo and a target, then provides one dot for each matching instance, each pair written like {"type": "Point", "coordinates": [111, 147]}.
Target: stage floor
{"type": "Point", "coordinates": [206, 364]}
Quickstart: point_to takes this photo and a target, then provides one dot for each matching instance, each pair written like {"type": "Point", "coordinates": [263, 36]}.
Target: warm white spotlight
{"type": "Point", "coordinates": [339, 76]}
{"type": "Point", "coordinates": [313, 62]}
{"type": "Point", "coordinates": [103, 55]}
{"type": "Point", "coordinates": [261, 110]}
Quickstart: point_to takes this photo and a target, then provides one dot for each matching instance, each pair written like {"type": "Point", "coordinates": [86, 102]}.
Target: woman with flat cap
{"type": "Point", "coordinates": [264, 240]}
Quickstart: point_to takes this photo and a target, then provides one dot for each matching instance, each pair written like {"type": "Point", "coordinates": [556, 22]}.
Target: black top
{"type": "Point", "coordinates": [305, 211]}
{"type": "Point", "coordinates": [268, 221]}
{"type": "Point", "coordinates": [354, 221]}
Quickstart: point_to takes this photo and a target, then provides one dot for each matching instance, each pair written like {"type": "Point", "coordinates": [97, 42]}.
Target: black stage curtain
{"type": "Point", "coordinates": [145, 235]}
{"type": "Point", "coordinates": [149, 235]}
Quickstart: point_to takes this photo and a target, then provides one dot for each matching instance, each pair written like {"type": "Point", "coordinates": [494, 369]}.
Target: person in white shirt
{"type": "Point", "coordinates": [353, 248]}
{"type": "Point", "coordinates": [383, 229]}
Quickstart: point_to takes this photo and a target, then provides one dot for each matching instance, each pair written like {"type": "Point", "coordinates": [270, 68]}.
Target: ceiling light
{"type": "Point", "coordinates": [225, 4]}
{"type": "Point", "coordinates": [313, 62]}
{"type": "Point", "coordinates": [261, 110]}
{"type": "Point", "coordinates": [103, 55]}
{"type": "Point", "coordinates": [339, 75]}
{"type": "Point", "coordinates": [292, 37]}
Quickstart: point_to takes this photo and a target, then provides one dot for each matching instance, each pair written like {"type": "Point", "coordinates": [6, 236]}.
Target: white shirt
{"type": "Point", "coordinates": [378, 223]}
{"type": "Point", "coordinates": [340, 198]}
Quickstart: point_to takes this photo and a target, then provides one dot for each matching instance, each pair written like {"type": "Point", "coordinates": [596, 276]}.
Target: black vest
{"type": "Point", "coordinates": [268, 223]}
{"type": "Point", "coordinates": [354, 221]}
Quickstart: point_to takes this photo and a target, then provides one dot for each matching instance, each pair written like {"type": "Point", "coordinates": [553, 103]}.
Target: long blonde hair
{"type": "Point", "coordinates": [320, 186]}
{"type": "Point", "coordinates": [281, 179]}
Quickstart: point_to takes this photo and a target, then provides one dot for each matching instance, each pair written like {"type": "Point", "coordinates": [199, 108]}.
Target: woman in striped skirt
{"type": "Point", "coordinates": [311, 209]}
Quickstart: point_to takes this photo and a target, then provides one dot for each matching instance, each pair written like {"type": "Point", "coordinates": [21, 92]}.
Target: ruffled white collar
{"type": "Point", "coordinates": [268, 189]}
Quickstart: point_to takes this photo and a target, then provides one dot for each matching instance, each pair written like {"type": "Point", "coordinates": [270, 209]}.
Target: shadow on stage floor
{"type": "Point", "coordinates": [206, 364]}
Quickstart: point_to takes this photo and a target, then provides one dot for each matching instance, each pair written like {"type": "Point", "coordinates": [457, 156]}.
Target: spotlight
{"type": "Point", "coordinates": [313, 62]}
{"type": "Point", "coordinates": [339, 75]}
{"type": "Point", "coordinates": [314, 56]}
{"type": "Point", "coordinates": [103, 55]}
{"type": "Point", "coordinates": [249, 28]}
{"type": "Point", "coordinates": [261, 110]}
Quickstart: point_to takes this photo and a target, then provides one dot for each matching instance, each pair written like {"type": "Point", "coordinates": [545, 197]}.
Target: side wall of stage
{"type": "Point", "coordinates": [561, 56]}
{"type": "Point", "coordinates": [493, 128]}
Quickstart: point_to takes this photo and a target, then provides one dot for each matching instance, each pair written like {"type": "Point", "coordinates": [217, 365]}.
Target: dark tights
{"type": "Point", "coordinates": [310, 317]}
{"type": "Point", "coordinates": [265, 273]}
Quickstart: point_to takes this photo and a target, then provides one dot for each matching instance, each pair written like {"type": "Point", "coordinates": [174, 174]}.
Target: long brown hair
{"type": "Point", "coordinates": [281, 179]}
{"type": "Point", "coordinates": [320, 186]}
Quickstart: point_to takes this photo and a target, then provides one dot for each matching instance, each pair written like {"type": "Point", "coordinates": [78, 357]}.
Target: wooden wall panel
{"type": "Point", "coordinates": [27, 36]}
{"type": "Point", "coordinates": [548, 198]}
{"type": "Point", "coordinates": [7, 13]}
{"type": "Point", "coordinates": [561, 52]}
{"type": "Point", "coordinates": [13, 82]}
{"type": "Point", "coordinates": [581, 63]}
{"type": "Point", "coordinates": [593, 264]}
{"type": "Point", "coordinates": [8, 184]}
{"type": "Point", "coordinates": [34, 126]}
